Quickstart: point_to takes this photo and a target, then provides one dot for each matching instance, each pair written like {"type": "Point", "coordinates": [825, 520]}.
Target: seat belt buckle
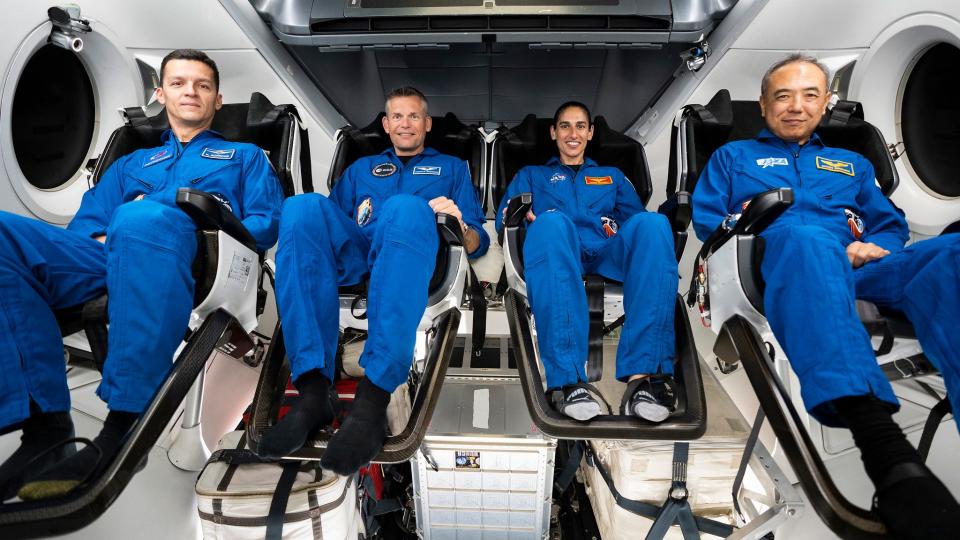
{"type": "Point", "coordinates": [679, 491]}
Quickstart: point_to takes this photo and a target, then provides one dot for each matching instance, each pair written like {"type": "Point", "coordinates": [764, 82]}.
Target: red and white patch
{"type": "Point", "coordinates": [855, 223]}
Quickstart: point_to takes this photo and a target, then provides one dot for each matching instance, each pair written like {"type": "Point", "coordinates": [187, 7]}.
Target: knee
{"type": "Point", "coordinates": [551, 233]}
{"type": "Point", "coordinates": [304, 212]}
{"type": "Point", "coordinates": [805, 241]}
{"type": "Point", "coordinates": [550, 226]}
{"type": "Point", "coordinates": [647, 226]}
{"type": "Point", "coordinates": [408, 214]}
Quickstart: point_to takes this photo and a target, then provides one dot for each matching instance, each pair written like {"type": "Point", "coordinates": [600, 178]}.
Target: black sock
{"type": "Point", "coordinates": [312, 410]}
{"type": "Point", "coordinates": [61, 478]}
{"type": "Point", "coordinates": [910, 500]}
{"type": "Point", "coordinates": [40, 432]}
{"type": "Point", "coordinates": [361, 436]}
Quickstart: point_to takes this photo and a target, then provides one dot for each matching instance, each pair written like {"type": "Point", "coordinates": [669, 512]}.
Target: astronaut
{"type": "Point", "coordinates": [130, 240]}
{"type": "Point", "coordinates": [378, 223]}
{"type": "Point", "coordinates": [842, 240]}
{"type": "Point", "coordinates": [588, 219]}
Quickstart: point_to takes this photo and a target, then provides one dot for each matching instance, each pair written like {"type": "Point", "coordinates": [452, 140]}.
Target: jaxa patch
{"type": "Point", "coordinates": [557, 177]}
{"type": "Point", "coordinates": [597, 180]}
{"type": "Point", "coordinates": [364, 212]}
{"type": "Point", "coordinates": [162, 155]}
{"type": "Point", "coordinates": [832, 165]}
{"type": "Point", "coordinates": [772, 162]}
{"type": "Point", "coordinates": [213, 153]}
{"type": "Point", "coordinates": [431, 170]}
{"type": "Point", "coordinates": [384, 170]}
{"type": "Point", "coordinates": [609, 225]}
{"type": "Point", "coordinates": [855, 223]}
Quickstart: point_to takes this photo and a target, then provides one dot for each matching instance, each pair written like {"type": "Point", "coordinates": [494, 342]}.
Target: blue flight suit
{"type": "Point", "coordinates": [375, 224]}
{"type": "Point", "coordinates": [811, 287]}
{"type": "Point", "coordinates": [144, 267]}
{"type": "Point", "coordinates": [592, 222]}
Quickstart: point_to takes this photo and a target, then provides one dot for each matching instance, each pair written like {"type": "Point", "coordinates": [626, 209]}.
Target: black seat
{"type": "Point", "coordinates": [733, 306]}
{"type": "Point", "coordinates": [446, 289]}
{"type": "Point", "coordinates": [448, 135]}
{"type": "Point", "coordinates": [276, 129]}
{"type": "Point", "coordinates": [529, 143]}
{"type": "Point", "coordinates": [272, 128]}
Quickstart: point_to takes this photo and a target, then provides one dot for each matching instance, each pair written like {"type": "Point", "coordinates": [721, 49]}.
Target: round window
{"type": "Point", "coordinates": [52, 119]}
{"type": "Point", "coordinates": [930, 120]}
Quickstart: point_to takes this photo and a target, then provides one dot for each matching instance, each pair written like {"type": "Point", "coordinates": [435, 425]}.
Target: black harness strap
{"type": "Point", "coordinates": [562, 481]}
{"type": "Point", "coordinates": [478, 304]}
{"type": "Point", "coordinates": [745, 458]}
{"type": "Point", "coordinates": [594, 286]}
{"type": "Point", "coordinates": [653, 512]}
{"type": "Point", "coordinates": [676, 509]}
{"type": "Point", "coordinates": [705, 115]}
{"type": "Point", "coordinates": [937, 413]}
{"type": "Point", "coordinates": [278, 505]}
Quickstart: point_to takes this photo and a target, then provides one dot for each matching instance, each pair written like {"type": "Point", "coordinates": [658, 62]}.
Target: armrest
{"type": "Point", "coordinates": [761, 211]}
{"type": "Point", "coordinates": [450, 231]}
{"type": "Point", "coordinates": [210, 214]}
{"type": "Point", "coordinates": [517, 210]}
{"type": "Point", "coordinates": [678, 210]}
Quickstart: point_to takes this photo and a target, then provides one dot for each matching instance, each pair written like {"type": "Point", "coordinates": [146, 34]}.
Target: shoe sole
{"type": "Point", "coordinates": [651, 412]}
{"type": "Point", "coordinates": [582, 413]}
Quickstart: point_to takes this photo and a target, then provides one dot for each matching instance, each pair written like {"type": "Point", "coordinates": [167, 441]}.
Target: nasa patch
{"type": "Point", "coordinates": [855, 223]}
{"type": "Point", "coordinates": [213, 153]}
{"type": "Point", "coordinates": [364, 212]}
{"type": "Point", "coordinates": [162, 155]}
{"type": "Point", "coordinates": [384, 169]}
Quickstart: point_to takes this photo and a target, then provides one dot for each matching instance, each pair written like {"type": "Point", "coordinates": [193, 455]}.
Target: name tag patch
{"type": "Point", "coordinates": [162, 155]}
{"type": "Point", "coordinates": [427, 169]}
{"type": "Point", "coordinates": [772, 162]}
{"type": "Point", "coordinates": [833, 165]}
{"type": "Point", "coordinates": [597, 180]}
{"type": "Point", "coordinates": [557, 177]}
{"type": "Point", "coordinates": [212, 153]}
{"type": "Point", "coordinates": [384, 169]}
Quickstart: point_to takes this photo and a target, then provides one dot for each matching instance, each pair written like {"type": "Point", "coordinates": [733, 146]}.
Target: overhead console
{"type": "Point", "coordinates": [325, 23]}
{"type": "Point", "coordinates": [493, 61]}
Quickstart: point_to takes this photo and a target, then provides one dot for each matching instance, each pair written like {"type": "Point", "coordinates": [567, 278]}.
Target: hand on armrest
{"type": "Point", "coordinates": [762, 210]}
{"type": "Point", "coordinates": [209, 214]}
{"type": "Point", "coordinates": [450, 230]}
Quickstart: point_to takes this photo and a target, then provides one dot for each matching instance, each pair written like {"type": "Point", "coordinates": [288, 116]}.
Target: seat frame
{"type": "Point", "coordinates": [688, 421]}
{"type": "Point", "coordinates": [732, 305]}
{"type": "Point", "coordinates": [211, 327]}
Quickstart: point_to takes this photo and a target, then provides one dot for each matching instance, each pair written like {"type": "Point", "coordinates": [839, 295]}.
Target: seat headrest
{"type": "Point", "coordinates": [724, 120]}
{"type": "Point", "coordinates": [447, 135]}
{"type": "Point", "coordinates": [529, 143]}
{"type": "Point", "coordinates": [259, 122]}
